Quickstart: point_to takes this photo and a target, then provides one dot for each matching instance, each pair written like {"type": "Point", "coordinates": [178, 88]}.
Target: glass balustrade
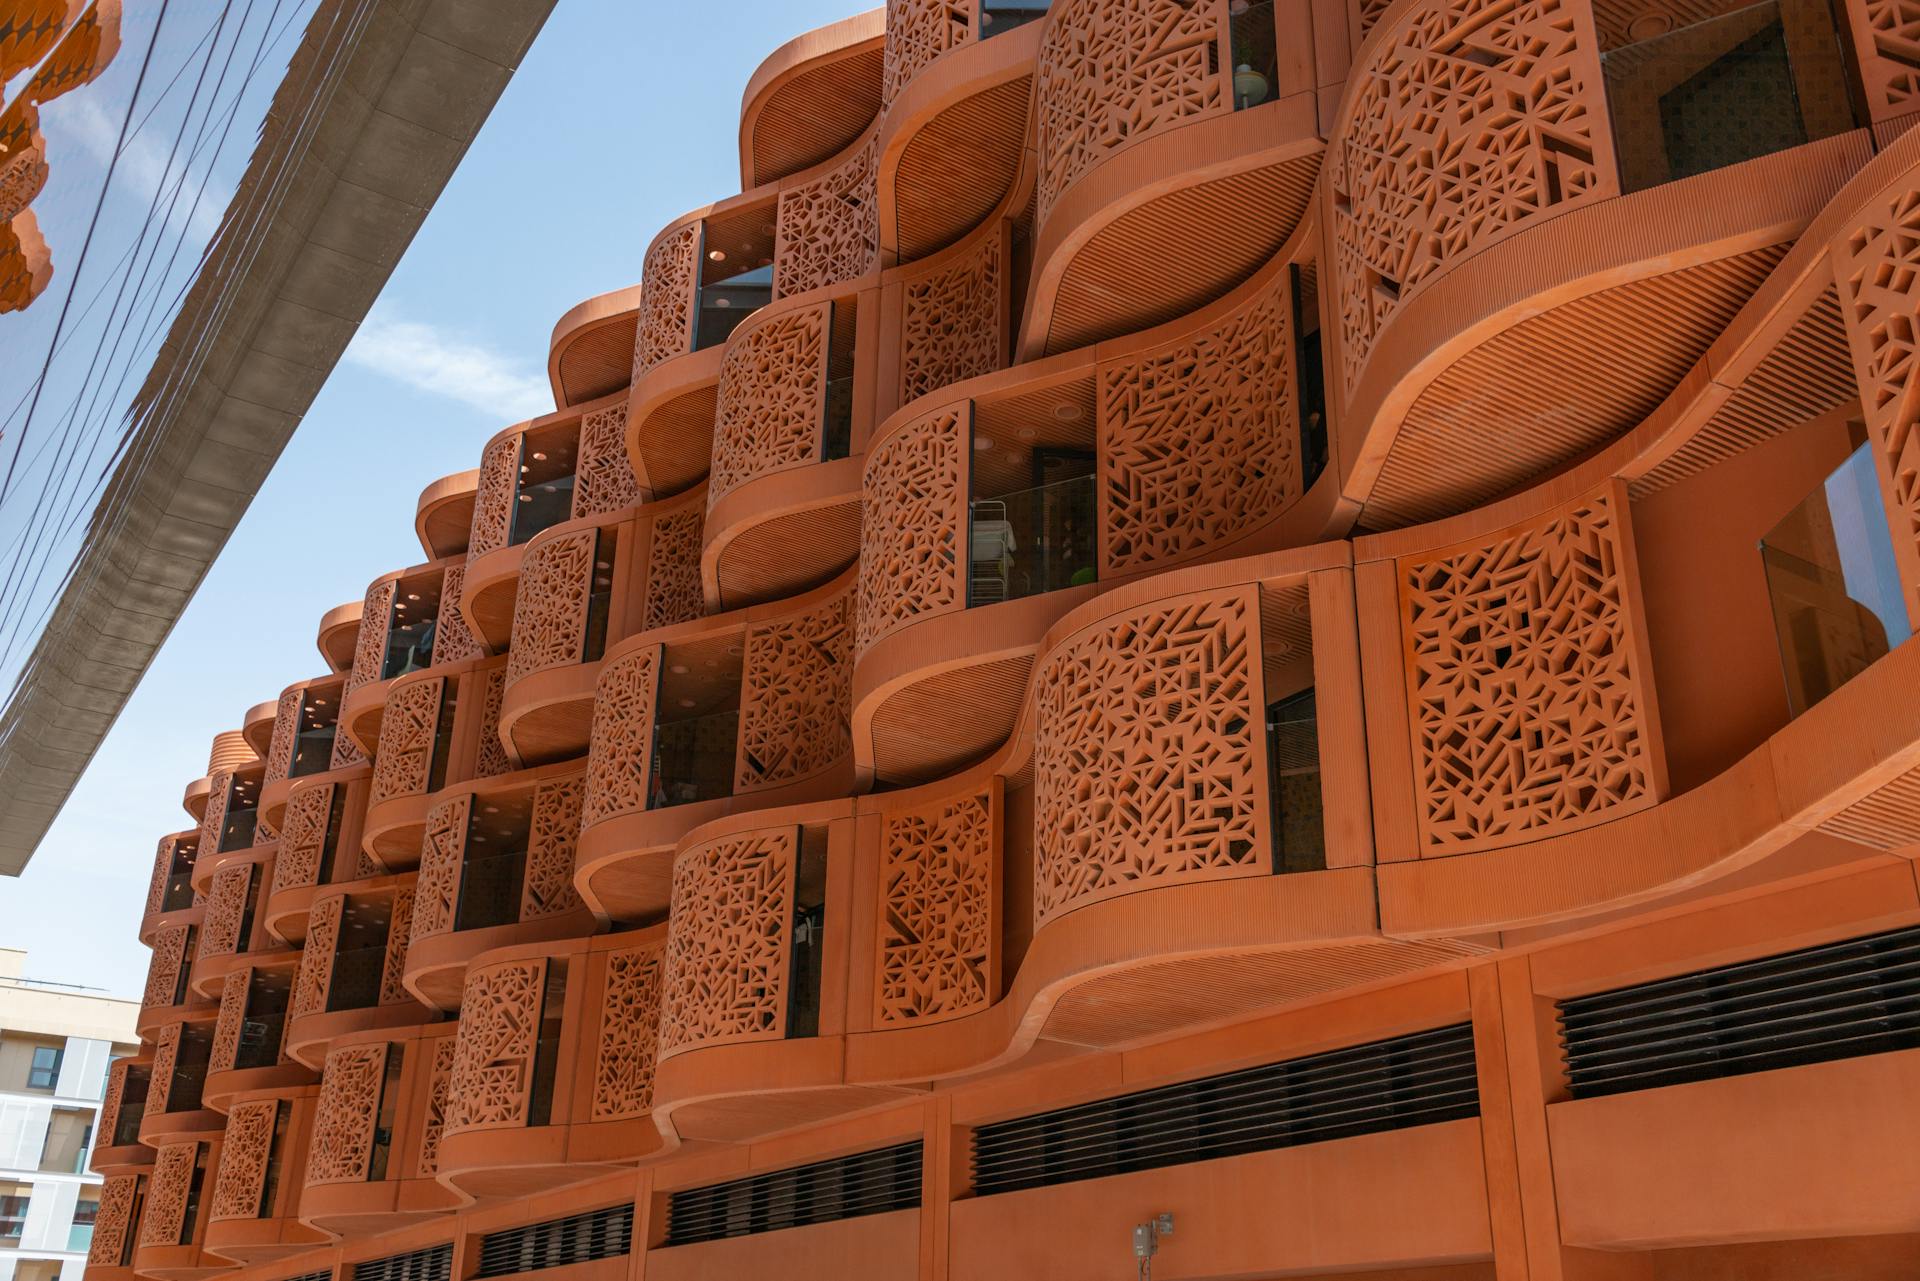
{"type": "Point", "coordinates": [1031, 541]}
{"type": "Point", "coordinates": [725, 302]}
{"type": "Point", "coordinates": [1256, 62]}
{"type": "Point", "coordinates": [693, 759]}
{"type": "Point", "coordinates": [1833, 583]}
{"type": "Point", "coordinates": [1002, 16]}
{"type": "Point", "coordinates": [1293, 767]}
{"type": "Point", "coordinates": [490, 890]}
{"type": "Point", "coordinates": [1738, 85]}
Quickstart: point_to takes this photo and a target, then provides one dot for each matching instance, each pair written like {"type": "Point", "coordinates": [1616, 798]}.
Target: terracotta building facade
{"type": "Point", "coordinates": [1225, 638]}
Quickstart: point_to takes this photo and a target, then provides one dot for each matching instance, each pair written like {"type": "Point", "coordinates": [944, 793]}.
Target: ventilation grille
{"type": "Point", "coordinates": [601, 1234]}
{"type": "Point", "coordinates": [1833, 1002]}
{"type": "Point", "coordinates": [846, 1188]}
{"type": "Point", "coordinates": [325, 1274]}
{"type": "Point", "coordinates": [434, 1264]}
{"type": "Point", "coordinates": [1386, 1085]}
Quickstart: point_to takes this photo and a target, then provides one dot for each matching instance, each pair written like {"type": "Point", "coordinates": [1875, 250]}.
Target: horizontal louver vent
{"type": "Point", "coordinates": [435, 1264]}
{"type": "Point", "coordinates": [602, 1234]}
{"type": "Point", "coordinates": [870, 1183]}
{"type": "Point", "coordinates": [1833, 1002]}
{"type": "Point", "coordinates": [325, 1274]}
{"type": "Point", "coordinates": [1387, 1085]}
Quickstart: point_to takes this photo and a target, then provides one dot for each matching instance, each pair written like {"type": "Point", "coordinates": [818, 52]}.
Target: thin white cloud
{"type": "Point", "coordinates": [144, 166]}
{"type": "Point", "coordinates": [442, 364]}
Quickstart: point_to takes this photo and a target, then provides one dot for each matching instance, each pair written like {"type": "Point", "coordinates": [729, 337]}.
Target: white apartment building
{"type": "Point", "coordinates": [56, 1043]}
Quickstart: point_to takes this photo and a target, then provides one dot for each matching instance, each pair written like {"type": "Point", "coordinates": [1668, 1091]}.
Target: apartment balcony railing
{"type": "Point", "coordinates": [491, 861]}
{"type": "Point", "coordinates": [704, 277]}
{"type": "Point", "coordinates": [1155, 63]}
{"type": "Point", "coordinates": [722, 715]}
{"type": "Point", "coordinates": [253, 1212]}
{"type": "Point", "coordinates": [250, 1035]}
{"type": "Point", "coordinates": [354, 961]}
{"type": "Point", "coordinates": [319, 838]}
{"type": "Point", "coordinates": [377, 1129]}
{"type": "Point", "coordinates": [117, 1146]}
{"type": "Point", "coordinates": [918, 33]}
{"type": "Point", "coordinates": [785, 397]}
{"type": "Point", "coordinates": [173, 1217]}
{"type": "Point", "coordinates": [555, 1055]}
{"type": "Point", "coordinates": [411, 621]}
{"type": "Point", "coordinates": [175, 1104]}
{"type": "Point", "coordinates": [558, 469]}
{"type": "Point", "coordinates": [987, 500]}
{"type": "Point", "coordinates": [171, 888]}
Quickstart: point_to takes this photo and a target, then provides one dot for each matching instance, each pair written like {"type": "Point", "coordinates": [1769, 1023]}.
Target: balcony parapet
{"type": "Point", "coordinates": [442, 728]}
{"type": "Point", "coordinates": [176, 1108]}
{"type": "Point", "coordinates": [496, 868]}
{"type": "Point", "coordinates": [320, 844]}
{"type": "Point", "coordinates": [306, 742]}
{"type": "Point", "coordinates": [553, 1068]}
{"type": "Point", "coordinates": [411, 620]}
{"type": "Point", "coordinates": [567, 466]}
{"type": "Point", "coordinates": [377, 1129]}
{"type": "Point", "coordinates": [1215, 416]}
{"type": "Point", "coordinates": [117, 1149]}
{"type": "Point", "coordinates": [233, 928]}
{"type": "Point", "coordinates": [735, 712]}
{"type": "Point", "coordinates": [353, 965]}
{"type": "Point", "coordinates": [116, 1226]}
{"type": "Point", "coordinates": [253, 1215]}
{"type": "Point", "coordinates": [167, 990]}
{"type": "Point", "coordinates": [250, 1035]}
{"type": "Point", "coordinates": [172, 900]}
{"type": "Point", "coordinates": [173, 1221]}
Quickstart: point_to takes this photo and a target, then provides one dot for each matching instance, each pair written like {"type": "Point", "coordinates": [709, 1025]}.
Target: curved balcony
{"type": "Point", "coordinates": [958, 86]}
{"type": "Point", "coordinates": [1615, 266]}
{"type": "Point", "coordinates": [172, 902]}
{"type": "Point", "coordinates": [375, 1144]}
{"type": "Point", "coordinates": [552, 1079]}
{"type": "Point", "coordinates": [794, 408]}
{"type": "Point", "coordinates": [230, 752]}
{"type": "Point", "coordinates": [256, 727]}
{"type": "Point", "coordinates": [253, 1216]}
{"type": "Point", "coordinates": [249, 1050]}
{"type": "Point", "coordinates": [591, 596]}
{"type": "Point", "coordinates": [173, 1216]}
{"type": "Point", "coordinates": [1012, 902]}
{"type": "Point", "coordinates": [811, 98]}
{"type": "Point", "coordinates": [306, 744]}
{"type": "Point", "coordinates": [320, 845]}
{"type": "Point", "coordinates": [117, 1147]}
{"type": "Point", "coordinates": [116, 1225]}
{"type": "Point", "coordinates": [339, 635]}
{"type": "Point", "coordinates": [707, 273]}
{"type": "Point", "coordinates": [584, 584]}
{"type": "Point", "coordinates": [233, 928]}
{"type": "Point", "coordinates": [568, 466]}
{"type": "Point", "coordinates": [496, 868]}
{"type": "Point", "coordinates": [1056, 479]}
{"type": "Point", "coordinates": [167, 992]}
{"type": "Point", "coordinates": [411, 621]}
{"type": "Point", "coordinates": [176, 1109]}
{"type": "Point", "coordinates": [591, 353]}
{"type": "Point", "coordinates": [442, 727]}
{"type": "Point", "coordinates": [1176, 149]}
{"type": "Point", "coordinates": [352, 966]}
{"type": "Point", "coordinates": [706, 718]}
{"type": "Point", "coordinates": [443, 517]}
{"type": "Point", "coordinates": [231, 826]}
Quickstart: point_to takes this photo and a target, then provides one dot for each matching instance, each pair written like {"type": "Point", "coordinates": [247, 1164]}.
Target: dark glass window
{"type": "Point", "coordinates": [44, 1071]}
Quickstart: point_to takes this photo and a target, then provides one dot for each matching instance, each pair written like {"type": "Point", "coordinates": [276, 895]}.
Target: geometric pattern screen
{"type": "Point", "coordinates": [731, 916]}
{"type": "Point", "coordinates": [1469, 120]}
{"type": "Point", "coordinates": [1527, 689]}
{"type": "Point", "coordinates": [939, 912]}
{"type": "Point", "coordinates": [1198, 439]}
{"type": "Point", "coordinates": [629, 1034]}
{"type": "Point", "coordinates": [1878, 266]}
{"type": "Point", "coordinates": [1114, 71]}
{"type": "Point", "coordinates": [494, 1049]}
{"type": "Point", "coordinates": [1149, 757]}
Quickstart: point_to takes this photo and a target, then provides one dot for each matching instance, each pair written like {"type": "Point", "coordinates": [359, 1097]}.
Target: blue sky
{"type": "Point", "coordinates": [622, 116]}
